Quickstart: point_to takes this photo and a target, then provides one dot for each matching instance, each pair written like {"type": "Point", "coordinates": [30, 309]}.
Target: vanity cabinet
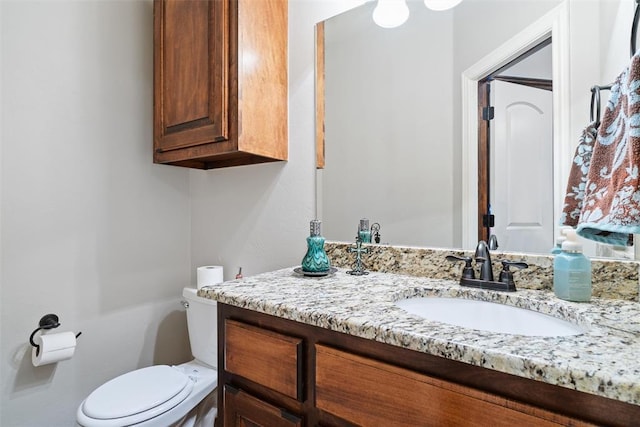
{"type": "Point", "coordinates": [312, 376]}
{"type": "Point", "coordinates": [220, 82]}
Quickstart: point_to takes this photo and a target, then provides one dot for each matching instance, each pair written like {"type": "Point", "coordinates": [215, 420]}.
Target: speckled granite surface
{"type": "Point", "coordinates": [601, 361]}
{"type": "Point", "coordinates": [611, 279]}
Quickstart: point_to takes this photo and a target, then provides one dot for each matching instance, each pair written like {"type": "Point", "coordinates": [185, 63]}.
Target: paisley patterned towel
{"type": "Point", "coordinates": [578, 177]}
{"type": "Point", "coordinates": [611, 206]}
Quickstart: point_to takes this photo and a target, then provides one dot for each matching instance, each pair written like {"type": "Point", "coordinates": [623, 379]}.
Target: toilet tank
{"type": "Point", "coordinates": [202, 321]}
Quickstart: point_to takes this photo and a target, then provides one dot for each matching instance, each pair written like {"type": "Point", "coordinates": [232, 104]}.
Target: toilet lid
{"type": "Point", "coordinates": [160, 387]}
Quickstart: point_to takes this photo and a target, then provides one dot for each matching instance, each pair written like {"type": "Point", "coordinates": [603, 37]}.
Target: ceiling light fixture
{"type": "Point", "coordinates": [390, 13]}
{"type": "Point", "coordinates": [441, 4]}
{"type": "Point", "coordinates": [393, 13]}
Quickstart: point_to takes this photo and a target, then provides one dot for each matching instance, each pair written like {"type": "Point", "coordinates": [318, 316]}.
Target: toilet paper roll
{"type": "Point", "coordinates": [209, 275]}
{"type": "Point", "coordinates": [53, 348]}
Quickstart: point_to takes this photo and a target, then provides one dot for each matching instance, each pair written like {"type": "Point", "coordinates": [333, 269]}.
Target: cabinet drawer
{"type": "Point", "coordinates": [264, 357]}
{"type": "Point", "coordinates": [242, 410]}
{"type": "Point", "coordinates": [371, 393]}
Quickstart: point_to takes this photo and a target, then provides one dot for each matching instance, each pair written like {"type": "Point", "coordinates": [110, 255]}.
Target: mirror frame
{"type": "Point", "coordinates": [319, 92]}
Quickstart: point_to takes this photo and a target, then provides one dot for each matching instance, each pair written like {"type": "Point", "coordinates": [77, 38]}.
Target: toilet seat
{"type": "Point", "coordinates": [135, 397]}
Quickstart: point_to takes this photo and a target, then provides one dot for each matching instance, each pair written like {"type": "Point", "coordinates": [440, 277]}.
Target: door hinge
{"type": "Point", "coordinates": [487, 113]}
{"type": "Point", "coordinates": [488, 220]}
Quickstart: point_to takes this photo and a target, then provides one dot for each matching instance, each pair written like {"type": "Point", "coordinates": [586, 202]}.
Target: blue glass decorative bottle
{"type": "Point", "coordinates": [316, 260]}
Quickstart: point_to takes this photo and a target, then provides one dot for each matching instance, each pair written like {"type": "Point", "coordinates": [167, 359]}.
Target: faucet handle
{"type": "Point", "coordinates": [506, 275]}
{"type": "Point", "coordinates": [517, 264]}
{"type": "Point", "coordinates": [467, 271]}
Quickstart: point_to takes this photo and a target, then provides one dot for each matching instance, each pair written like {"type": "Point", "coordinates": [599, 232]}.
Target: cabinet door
{"type": "Point", "coordinates": [191, 56]}
{"type": "Point", "coordinates": [243, 410]}
{"type": "Point", "coordinates": [367, 392]}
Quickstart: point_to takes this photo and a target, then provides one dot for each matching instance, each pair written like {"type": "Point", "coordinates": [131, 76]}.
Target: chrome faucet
{"type": "Point", "coordinates": [486, 280]}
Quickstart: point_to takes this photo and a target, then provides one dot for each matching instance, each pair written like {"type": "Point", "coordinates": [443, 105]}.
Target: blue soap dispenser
{"type": "Point", "coordinates": [572, 271]}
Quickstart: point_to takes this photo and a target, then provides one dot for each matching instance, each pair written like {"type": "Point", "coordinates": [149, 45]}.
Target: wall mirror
{"type": "Point", "coordinates": [394, 138]}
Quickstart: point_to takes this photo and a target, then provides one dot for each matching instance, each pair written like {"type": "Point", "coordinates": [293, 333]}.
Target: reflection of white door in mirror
{"type": "Point", "coordinates": [522, 158]}
{"type": "Point", "coordinates": [553, 25]}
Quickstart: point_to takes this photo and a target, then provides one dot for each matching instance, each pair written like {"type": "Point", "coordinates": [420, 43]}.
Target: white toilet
{"type": "Point", "coordinates": [161, 396]}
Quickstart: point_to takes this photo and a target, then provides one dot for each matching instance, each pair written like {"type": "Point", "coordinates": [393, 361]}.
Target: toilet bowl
{"type": "Point", "coordinates": [162, 395]}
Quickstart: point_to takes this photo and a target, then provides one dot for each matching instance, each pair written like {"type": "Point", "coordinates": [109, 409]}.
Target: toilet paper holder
{"type": "Point", "coordinates": [48, 321]}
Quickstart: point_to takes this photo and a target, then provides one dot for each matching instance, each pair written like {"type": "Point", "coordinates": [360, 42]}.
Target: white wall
{"type": "Point", "coordinates": [614, 18]}
{"type": "Point", "coordinates": [388, 123]}
{"type": "Point", "coordinates": [91, 229]}
{"type": "Point", "coordinates": [539, 65]}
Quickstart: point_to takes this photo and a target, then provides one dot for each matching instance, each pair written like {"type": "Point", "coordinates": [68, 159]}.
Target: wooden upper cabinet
{"type": "Point", "coordinates": [220, 82]}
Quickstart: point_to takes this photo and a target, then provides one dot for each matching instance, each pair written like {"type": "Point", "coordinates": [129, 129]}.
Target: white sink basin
{"type": "Point", "coordinates": [489, 316]}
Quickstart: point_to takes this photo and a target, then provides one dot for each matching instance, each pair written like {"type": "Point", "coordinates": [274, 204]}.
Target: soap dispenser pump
{"type": "Point", "coordinates": [316, 259]}
{"type": "Point", "coordinates": [572, 271]}
{"type": "Point", "coordinates": [558, 247]}
{"type": "Point", "coordinates": [559, 241]}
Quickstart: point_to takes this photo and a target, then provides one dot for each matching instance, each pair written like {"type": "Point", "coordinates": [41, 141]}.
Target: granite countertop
{"type": "Point", "coordinates": [603, 361]}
